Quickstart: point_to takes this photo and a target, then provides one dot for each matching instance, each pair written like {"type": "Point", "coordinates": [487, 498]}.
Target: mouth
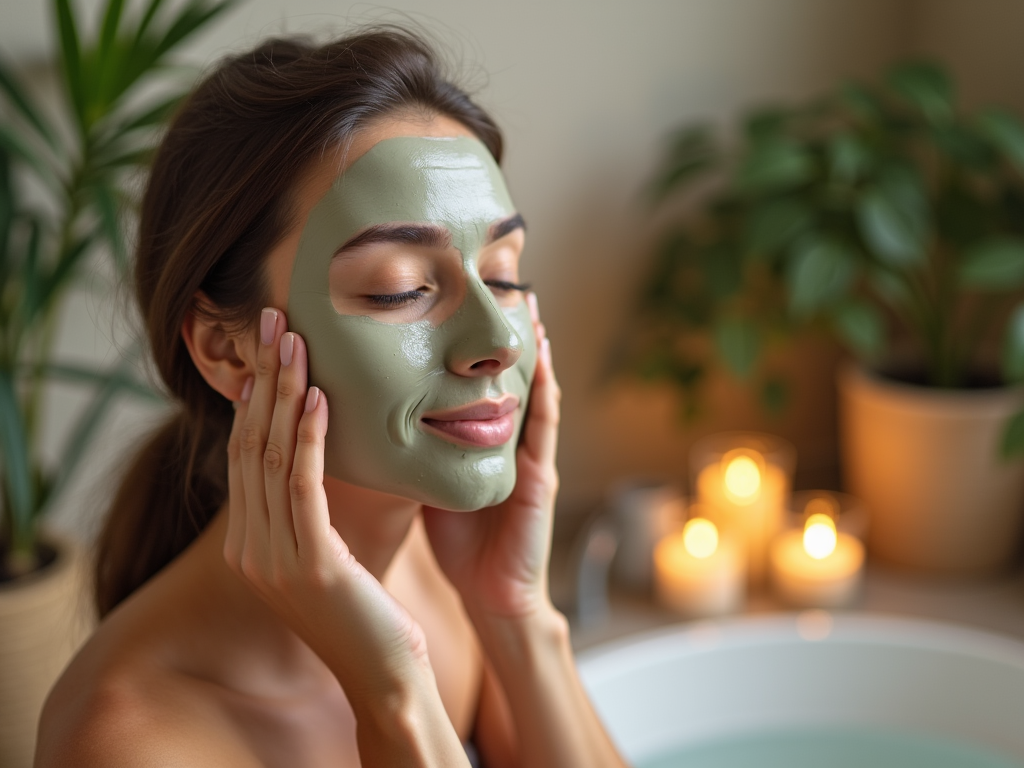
{"type": "Point", "coordinates": [481, 424]}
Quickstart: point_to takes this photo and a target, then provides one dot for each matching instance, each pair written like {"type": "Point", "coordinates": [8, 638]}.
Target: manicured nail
{"type": "Point", "coordinates": [268, 324]}
{"type": "Point", "coordinates": [312, 398]}
{"type": "Point", "coordinates": [287, 345]}
{"type": "Point", "coordinates": [545, 351]}
{"type": "Point", "coordinates": [531, 299]}
{"type": "Point", "coordinates": [247, 390]}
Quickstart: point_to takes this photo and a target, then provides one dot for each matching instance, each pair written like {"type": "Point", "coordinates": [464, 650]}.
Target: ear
{"type": "Point", "coordinates": [225, 360]}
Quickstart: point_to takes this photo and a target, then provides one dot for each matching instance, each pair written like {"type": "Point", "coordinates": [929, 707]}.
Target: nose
{"type": "Point", "coordinates": [484, 343]}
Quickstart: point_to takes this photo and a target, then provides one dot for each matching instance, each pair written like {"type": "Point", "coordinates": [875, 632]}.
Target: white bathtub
{"type": "Point", "coordinates": [695, 683]}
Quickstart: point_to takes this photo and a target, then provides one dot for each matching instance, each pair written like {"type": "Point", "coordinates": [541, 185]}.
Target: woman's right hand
{"type": "Point", "coordinates": [281, 543]}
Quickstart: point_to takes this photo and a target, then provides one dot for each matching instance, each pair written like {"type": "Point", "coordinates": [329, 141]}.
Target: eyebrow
{"type": "Point", "coordinates": [427, 235]}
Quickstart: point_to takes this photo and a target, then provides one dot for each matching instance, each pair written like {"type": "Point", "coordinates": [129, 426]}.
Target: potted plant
{"type": "Point", "coordinates": [885, 216]}
{"type": "Point", "coordinates": [62, 203]}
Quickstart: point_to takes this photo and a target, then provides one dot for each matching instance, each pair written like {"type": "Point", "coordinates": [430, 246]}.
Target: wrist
{"type": "Point", "coordinates": [525, 641]}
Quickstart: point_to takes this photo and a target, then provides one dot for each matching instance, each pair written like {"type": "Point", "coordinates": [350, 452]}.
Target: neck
{"type": "Point", "coordinates": [372, 524]}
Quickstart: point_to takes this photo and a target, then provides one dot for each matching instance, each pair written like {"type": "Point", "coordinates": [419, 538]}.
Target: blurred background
{"type": "Point", "coordinates": [587, 93]}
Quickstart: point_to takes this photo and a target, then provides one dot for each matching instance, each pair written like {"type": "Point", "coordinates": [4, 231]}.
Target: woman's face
{"type": "Point", "coordinates": [403, 285]}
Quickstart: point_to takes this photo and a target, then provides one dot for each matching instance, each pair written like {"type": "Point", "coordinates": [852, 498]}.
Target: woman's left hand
{"type": "Point", "coordinates": [497, 558]}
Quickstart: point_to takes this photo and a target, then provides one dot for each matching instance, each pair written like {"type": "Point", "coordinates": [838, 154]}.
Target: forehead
{"type": "Point", "coordinates": [450, 181]}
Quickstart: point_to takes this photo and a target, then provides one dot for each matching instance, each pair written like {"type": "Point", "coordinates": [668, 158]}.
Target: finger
{"type": "Point", "coordinates": [280, 451]}
{"type": "Point", "coordinates": [540, 433]}
{"type": "Point", "coordinates": [254, 433]}
{"type": "Point", "coordinates": [310, 515]}
{"type": "Point", "coordinates": [234, 541]}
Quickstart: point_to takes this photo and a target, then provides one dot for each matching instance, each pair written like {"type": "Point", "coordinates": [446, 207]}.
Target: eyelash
{"type": "Point", "coordinates": [394, 300]}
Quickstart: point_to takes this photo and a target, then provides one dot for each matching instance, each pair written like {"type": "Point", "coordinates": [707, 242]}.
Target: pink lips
{"type": "Point", "coordinates": [483, 424]}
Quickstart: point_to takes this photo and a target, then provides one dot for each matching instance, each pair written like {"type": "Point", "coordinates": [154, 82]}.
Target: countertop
{"type": "Point", "coordinates": [994, 604]}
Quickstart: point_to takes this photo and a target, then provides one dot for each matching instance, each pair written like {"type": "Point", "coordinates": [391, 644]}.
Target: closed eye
{"type": "Point", "coordinates": [392, 300]}
{"type": "Point", "coordinates": [505, 285]}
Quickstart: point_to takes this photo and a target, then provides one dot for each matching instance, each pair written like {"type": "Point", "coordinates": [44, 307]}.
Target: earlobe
{"type": "Point", "coordinates": [221, 358]}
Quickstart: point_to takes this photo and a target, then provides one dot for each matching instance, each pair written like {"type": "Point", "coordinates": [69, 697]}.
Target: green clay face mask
{"type": "Point", "coordinates": [382, 377]}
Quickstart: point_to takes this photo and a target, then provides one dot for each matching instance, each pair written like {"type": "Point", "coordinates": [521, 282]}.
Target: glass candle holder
{"type": "Point", "coordinates": [818, 562]}
{"type": "Point", "coordinates": [743, 481]}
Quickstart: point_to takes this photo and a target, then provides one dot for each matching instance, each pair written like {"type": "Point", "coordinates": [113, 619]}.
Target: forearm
{"type": "Point", "coordinates": [555, 722]}
{"type": "Point", "coordinates": [407, 728]}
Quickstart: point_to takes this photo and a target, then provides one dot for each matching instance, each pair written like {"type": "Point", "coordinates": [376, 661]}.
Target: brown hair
{"type": "Point", "coordinates": [217, 202]}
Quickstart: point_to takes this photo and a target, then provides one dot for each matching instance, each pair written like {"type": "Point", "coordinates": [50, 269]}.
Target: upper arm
{"type": "Point", "coordinates": [494, 730]}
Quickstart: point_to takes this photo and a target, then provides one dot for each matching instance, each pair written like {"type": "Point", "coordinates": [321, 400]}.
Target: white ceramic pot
{"type": "Point", "coordinates": [42, 623]}
{"type": "Point", "coordinates": [926, 464]}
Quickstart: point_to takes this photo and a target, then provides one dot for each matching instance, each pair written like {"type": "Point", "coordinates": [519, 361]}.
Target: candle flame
{"type": "Point", "coordinates": [700, 537]}
{"type": "Point", "coordinates": [820, 536]}
{"type": "Point", "coordinates": [822, 505]}
{"type": "Point", "coordinates": [742, 477]}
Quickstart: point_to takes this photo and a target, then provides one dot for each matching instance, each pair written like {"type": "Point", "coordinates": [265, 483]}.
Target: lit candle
{"type": "Point", "coordinates": [746, 499]}
{"type": "Point", "coordinates": [696, 573]}
{"type": "Point", "coordinates": [817, 567]}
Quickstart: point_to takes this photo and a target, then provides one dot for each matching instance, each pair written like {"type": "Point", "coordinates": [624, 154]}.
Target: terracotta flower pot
{"type": "Point", "coordinates": [926, 464]}
{"type": "Point", "coordinates": [42, 622]}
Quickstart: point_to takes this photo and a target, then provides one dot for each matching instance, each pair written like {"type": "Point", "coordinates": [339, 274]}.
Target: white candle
{"type": "Point", "coordinates": [697, 574]}
{"type": "Point", "coordinates": [746, 499]}
{"type": "Point", "coordinates": [817, 567]}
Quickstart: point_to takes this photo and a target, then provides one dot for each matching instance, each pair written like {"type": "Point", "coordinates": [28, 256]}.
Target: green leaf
{"type": "Point", "coordinates": [16, 95]}
{"type": "Point", "coordinates": [108, 53]}
{"type": "Point", "coordinates": [155, 115]}
{"type": "Point", "coordinates": [17, 147]}
{"type": "Point", "coordinates": [106, 204]}
{"type": "Point", "coordinates": [1005, 131]}
{"type": "Point", "coordinates": [861, 327]}
{"type": "Point", "coordinates": [31, 279]}
{"type": "Point", "coordinates": [722, 268]}
{"type": "Point", "coordinates": [17, 477]}
{"type": "Point", "coordinates": [849, 158]}
{"type": "Point", "coordinates": [1013, 346]}
{"type": "Point", "coordinates": [893, 222]}
{"type": "Point", "coordinates": [59, 278]}
{"type": "Point", "coordinates": [821, 271]}
{"type": "Point", "coordinates": [925, 85]}
{"type": "Point", "coordinates": [147, 19]}
{"type": "Point", "coordinates": [774, 225]}
{"type": "Point", "coordinates": [774, 395]}
{"type": "Point", "coordinates": [1012, 443]}
{"type": "Point", "coordinates": [765, 123]}
{"type": "Point", "coordinates": [71, 59]}
{"type": "Point", "coordinates": [862, 102]}
{"type": "Point", "coordinates": [692, 151]}
{"type": "Point", "coordinates": [192, 18]}
{"type": "Point", "coordinates": [775, 165]}
{"type": "Point", "coordinates": [739, 344]}
{"type": "Point", "coordinates": [996, 265]}
{"type": "Point", "coordinates": [77, 374]}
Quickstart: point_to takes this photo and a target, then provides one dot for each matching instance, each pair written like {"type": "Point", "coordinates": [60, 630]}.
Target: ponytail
{"type": "Point", "coordinates": [171, 491]}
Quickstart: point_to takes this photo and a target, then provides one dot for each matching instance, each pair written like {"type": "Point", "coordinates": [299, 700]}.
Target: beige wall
{"type": "Point", "coordinates": [585, 90]}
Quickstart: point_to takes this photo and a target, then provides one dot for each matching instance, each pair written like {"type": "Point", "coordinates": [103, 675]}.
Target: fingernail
{"type": "Point", "coordinates": [287, 345]}
{"type": "Point", "coordinates": [247, 390]}
{"type": "Point", "coordinates": [545, 351]}
{"type": "Point", "coordinates": [268, 324]}
{"type": "Point", "coordinates": [312, 398]}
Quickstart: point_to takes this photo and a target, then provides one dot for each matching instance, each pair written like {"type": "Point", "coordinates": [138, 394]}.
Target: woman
{"type": "Point", "coordinates": [336, 210]}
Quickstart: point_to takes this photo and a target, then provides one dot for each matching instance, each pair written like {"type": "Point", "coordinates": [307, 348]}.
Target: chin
{"type": "Point", "coordinates": [473, 497]}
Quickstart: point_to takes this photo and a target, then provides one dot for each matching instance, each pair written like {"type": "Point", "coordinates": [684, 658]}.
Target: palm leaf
{"type": "Point", "coordinates": [17, 474]}
{"type": "Point", "coordinates": [108, 53]}
{"type": "Point", "coordinates": [10, 85]}
{"type": "Point", "coordinates": [71, 60]}
{"type": "Point", "coordinates": [75, 449]}
{"type": "Point", "coordinates": [78, 374]}
{"type": "Point", "coordinates": [18, 147]}
{"type": "Point", "coordinates": [110, 223]}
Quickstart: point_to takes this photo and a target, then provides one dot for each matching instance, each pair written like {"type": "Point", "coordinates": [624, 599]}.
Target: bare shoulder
{"type": "Point", "coordinates": [127, 715]}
